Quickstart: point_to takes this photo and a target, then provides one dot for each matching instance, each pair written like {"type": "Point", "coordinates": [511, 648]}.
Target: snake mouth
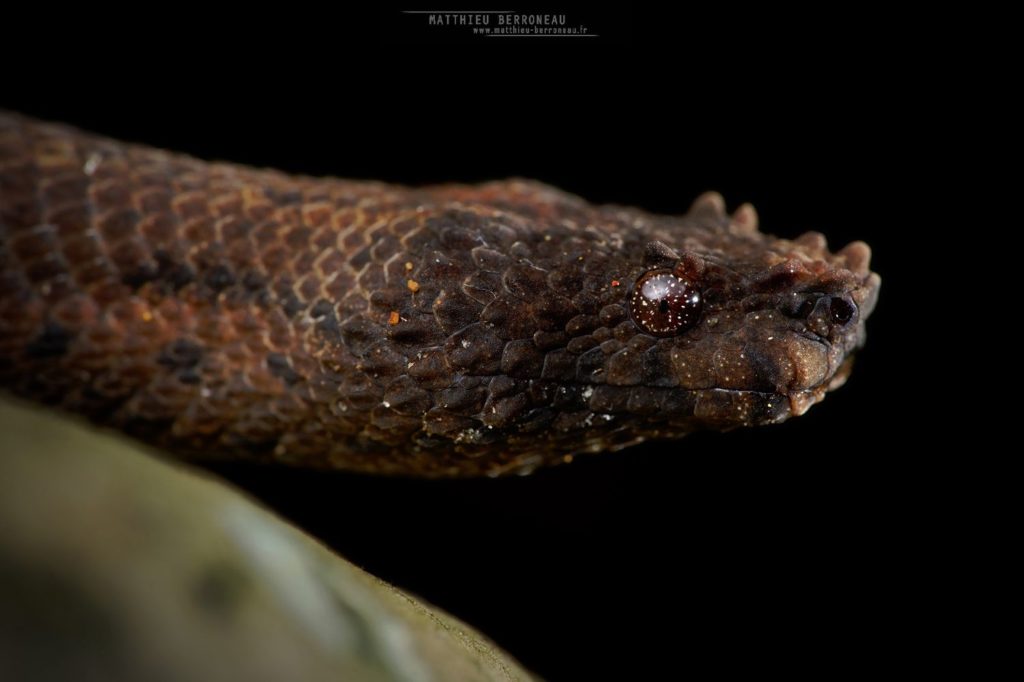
{"type": "Point", "coordinates": [772, 360]}
{"type": "Point", "coordinates": [801, 401]}
{"type": "Point", "coordinates": [729, 407]}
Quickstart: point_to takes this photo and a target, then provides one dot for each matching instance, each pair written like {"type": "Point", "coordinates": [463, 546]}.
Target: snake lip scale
{"type": "Point", "coordinates": [220, 311]}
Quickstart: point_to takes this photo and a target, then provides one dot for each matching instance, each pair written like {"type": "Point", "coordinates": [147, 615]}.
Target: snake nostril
{"type": "Point", "coordinates": [840, 310]}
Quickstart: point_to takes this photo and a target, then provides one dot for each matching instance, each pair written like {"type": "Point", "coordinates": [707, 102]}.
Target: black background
{"type": "Point", "coordinates": [785, 548]}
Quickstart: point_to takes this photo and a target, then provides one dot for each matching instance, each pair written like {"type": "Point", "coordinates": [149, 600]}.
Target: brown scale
{"type": "Point", "coordinates": [219, 311]}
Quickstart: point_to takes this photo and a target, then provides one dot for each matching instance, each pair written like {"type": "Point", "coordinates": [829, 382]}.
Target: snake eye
{"type": "Point", "coordinates": [663, 304]}
{"type": "Point", "coordinates": [840, 310]}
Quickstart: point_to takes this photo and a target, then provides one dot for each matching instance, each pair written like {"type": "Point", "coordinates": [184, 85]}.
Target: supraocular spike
{"type": "Point", "coordinates": [858, 257]}
{"type": "Point", "coordinates": [745, 218]}
{"type": "Point", "coordinates": [709, 203]}
{"type": "Point", "coordinates": [813, 241]}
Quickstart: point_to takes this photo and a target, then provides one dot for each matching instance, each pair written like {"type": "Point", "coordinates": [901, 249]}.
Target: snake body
{"type": "Point", "coordinates": [216, 310]}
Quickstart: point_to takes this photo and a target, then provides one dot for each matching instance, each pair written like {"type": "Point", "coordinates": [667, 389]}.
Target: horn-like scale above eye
{"type": "Point", "coordinates": [664, 304]}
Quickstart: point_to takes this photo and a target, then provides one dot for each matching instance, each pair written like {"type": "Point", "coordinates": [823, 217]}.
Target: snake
{"type": "Point", "coordinates": [218, 311]}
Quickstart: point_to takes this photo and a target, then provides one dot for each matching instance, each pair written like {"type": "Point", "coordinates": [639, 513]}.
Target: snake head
{"type": "Point", "coordinates": [757, 328]}
{"type": "Point", "coordinates": [598, 327]}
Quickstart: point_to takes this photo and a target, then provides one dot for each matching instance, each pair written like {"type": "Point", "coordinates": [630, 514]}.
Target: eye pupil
{"type": "Point", "coordinates": [663, 304]}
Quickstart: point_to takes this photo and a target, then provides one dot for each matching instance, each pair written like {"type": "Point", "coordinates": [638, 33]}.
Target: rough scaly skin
{"type": "Point", "coordinates": [220, 311]}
